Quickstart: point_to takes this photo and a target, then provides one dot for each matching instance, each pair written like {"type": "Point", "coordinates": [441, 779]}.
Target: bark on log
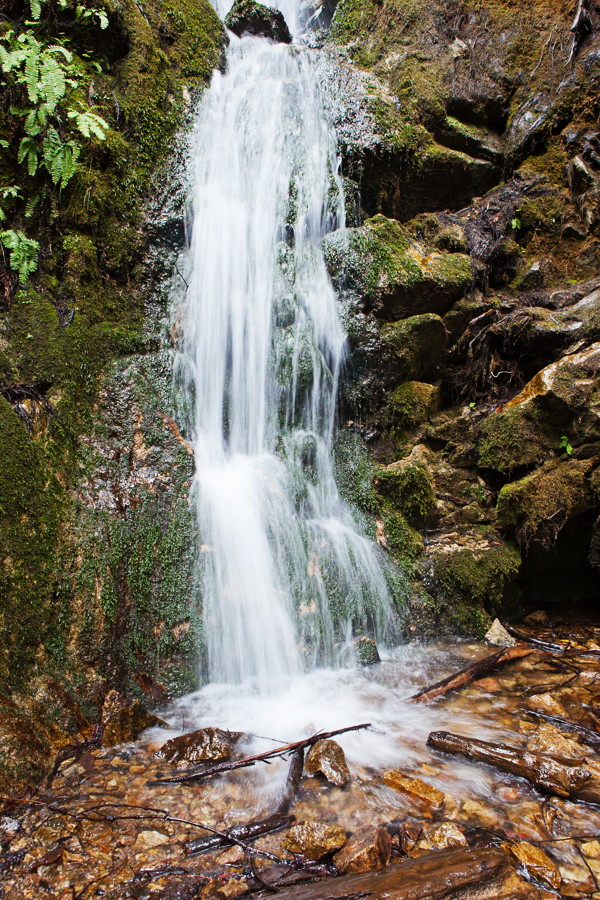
{"type": "Point", "coordinates": [474, 672]}
{"type": "Point", "coordinates": [430, 877]}
{"type": "Point", "coordinates": [549, 774]}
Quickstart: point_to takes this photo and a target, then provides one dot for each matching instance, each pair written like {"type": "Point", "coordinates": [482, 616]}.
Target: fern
{"type": "Point", "coordinates": [23, 252]}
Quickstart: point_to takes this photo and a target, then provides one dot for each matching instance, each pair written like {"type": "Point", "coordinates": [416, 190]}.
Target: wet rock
{"type": "Point", "coordinates": [548, 740]}
{"type": "Point", "coordinates": [545, 703]}
{"type": "Point", "coordinates": [414, 345]}
{"type": "Point", "coordinates": [445, 836]}
{"type": "Point", "coordinates": [156, 691]}
{"type": "Point", "coordinates": [123, 720]}
{"type": "Point", "coordinates": [415, 787]}
{"type": "Point", "coordinates": [499, 636]}
{"type": "Point", "coordinates": [147, 840]}
{"type": "Point", "coordinates": [539, 617]}
{"type": "Point", "coordinates": [249, 17]}
{"type": "Point", "coordinates": [409, 483]}
{"type": "Point", "coordinates": [221, 889]}
{"type": "Point", "coordinates": [328, 758]}
{"type": "Point", "coordinates": [197, 746]}
{"type": "Point", "coordinates": [366, 651]}
{"type": "Point", "coordinates": [314, 839]}
{"type": "Point", "coordinates": [9, 825]}
{"type": "Point", "coordinates": [368, 848]}
{"type": "Point", "coordinates": [410, 404]}
{"type": "Point", "coordinates": [538, 864]}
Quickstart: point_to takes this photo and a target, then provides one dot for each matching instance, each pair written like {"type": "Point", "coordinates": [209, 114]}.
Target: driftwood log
{"type": "Point", "coordinates": [435, 875]}
{"type": "Point", "coordinates": [552, 775]}
{"type": "Point", "coordinates": [481, 669]}
{"type": "Point", "coordinates": [247, 761]}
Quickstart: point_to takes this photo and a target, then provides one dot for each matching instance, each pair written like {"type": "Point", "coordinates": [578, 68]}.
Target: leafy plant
{"type": "Point", "coordinates": [23, 252]}
{"type": "Point", "coordinates": [515, 224]}
{"type": "Point", "coordinates": [566, 445]}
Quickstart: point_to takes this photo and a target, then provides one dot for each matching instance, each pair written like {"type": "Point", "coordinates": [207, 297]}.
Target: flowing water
{"type": "Point", "coordinates": [285, 574]}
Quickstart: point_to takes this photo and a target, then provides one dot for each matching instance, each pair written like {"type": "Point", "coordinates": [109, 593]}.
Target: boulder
{"type": "Point", "coordinates": [414, 787]}
{"type": "Point", "coordinates": [414, 345]}
{"type": "Point", "coordinates": [397, 275]}
{"type": "Point", "coordinates": [366, 651]}
{"type": "Point", "coordinates": [197, 746]}
{"type": "Point", "coordinates": [368, 848]}
{"type": "Point", "coordinates": [123, 720]}
{"type": "Point", "coordinates": [249, 17]}
{"type": "Point", "coordinates": [314, 839]}
{"type": "Point", "coordinates": [408, 483]}
{"type": "Point", "coordinates": [499, 636]}
{"type": "Point", "coordinates": [327, 757]}
{"type": "Point", "coordinates": [411, 404]}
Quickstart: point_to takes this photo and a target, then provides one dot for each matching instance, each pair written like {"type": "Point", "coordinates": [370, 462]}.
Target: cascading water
{"type": "Point", "coordinates": [285, 572]}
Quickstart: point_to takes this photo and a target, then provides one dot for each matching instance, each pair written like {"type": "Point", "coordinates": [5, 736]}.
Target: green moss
{"type": "Point", "coordinates": [410, 404]}
{"type": "Point", "coordinates": [416, 343]}
{"type": "Point", "coordinates": [404, 542]}
{"type": "Point", "coordinates": [536, 507]}
{"type": "Point", "coordinates": [542, 214]}
{"type": "Point", "coordinates": [409, 485]}
{"type": "Point", "coordinates": [473, 586]}
{"type": "Point", "coordinates": [510, 439]}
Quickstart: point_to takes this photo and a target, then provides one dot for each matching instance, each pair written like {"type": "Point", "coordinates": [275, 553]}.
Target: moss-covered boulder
{"type": "Point", "coordinates": [537, 507]}
{"type": "Point", "coordinates": [414, 345]}
{"type": "Point", "coordinates": [411, 404]}
{"type": "Point", "coordinates": [397, 275]}
{"type": "Point", "coordinates": [249, 17]}
{"type": "Point", "coordinates": [513, 439]}
{"type": "Point", "coordinates": [409, 484]}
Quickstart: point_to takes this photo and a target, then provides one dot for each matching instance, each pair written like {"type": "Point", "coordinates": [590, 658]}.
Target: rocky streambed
{"type": "Point", "coordinates": [376, 812]}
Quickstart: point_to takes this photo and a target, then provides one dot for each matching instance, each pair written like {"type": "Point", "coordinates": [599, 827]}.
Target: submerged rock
{"type": "Point", "coordinates": [124, 720]}
{"type": "Point", "coordinates": [314, 839]}
{"type": "Point", "coordinates": [415, 787]}
{"type": "Point", "coordinates": [446, 836]}
{"type": "Point", "coordinates": [197, 746]}
{"type": "Point", "coordinates": [328, 758]}
{"type": "Point", "coordinates": [368, 848]}
{"type": "Point", "coordinates": [248, 17]}
{"type": "Point", "coordinates": [538, 864]}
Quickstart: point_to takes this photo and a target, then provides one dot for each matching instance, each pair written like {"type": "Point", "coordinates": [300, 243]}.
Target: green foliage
{"type": "Point", "coordinates": [565, 444]}
{"type": "Point", "coordinates": [43, 76]}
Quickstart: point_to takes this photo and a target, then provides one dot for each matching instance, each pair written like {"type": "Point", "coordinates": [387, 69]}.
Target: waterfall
{"type": "Point", "coordinates": [285, 573]}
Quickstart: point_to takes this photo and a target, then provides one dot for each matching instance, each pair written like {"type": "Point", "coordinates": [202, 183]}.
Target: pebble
{"type": "Point", "coordinates": [147, 840]}
{"type": "Point", "coordinates": [415, 787]}
{"type": "Point", "coordinates": [446, 835]}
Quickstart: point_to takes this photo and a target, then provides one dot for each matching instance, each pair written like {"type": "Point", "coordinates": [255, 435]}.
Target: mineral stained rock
{"type": "Point", "coordinates": [205, 744]}
{"type": "Point", "coordinates": [415, 787]}
{"type": "Point", "coordinates": [314, 839]}
{"type": "Point", "coordinates": [124, 720]}
{"type": "Point", "coordinates": [327, 757]}
{"type": "Point", "coordinates": [368, 848]}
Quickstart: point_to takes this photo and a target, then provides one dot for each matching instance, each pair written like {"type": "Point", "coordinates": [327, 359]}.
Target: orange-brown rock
{"type": "Point", "coordinates": [417, 788]}
{"type": "Point", "coordinates": [197, 746]}
{"type": "Point", "coordinates": [328, 758]}
{"type": "Point", "coordinates": [446, 835]}
{"type": "Point", "coordinates": [538, 864]}
{"type": "Point", "coordinates": [123, 720]}
{"type": "Point", "coordinates": [368, 848]}
{"type": "Point", "coordinates": [314, 839]}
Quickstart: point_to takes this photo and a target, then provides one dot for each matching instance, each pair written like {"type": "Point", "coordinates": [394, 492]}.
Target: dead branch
{"type": "Point", "coordinates": [474, 672]}
{"type": "Point", "coordinates": [552, 775]}
{"type": "Point", "coordinates": [186, 777]}
{"type": "Point", "coordinates": [537, 642]}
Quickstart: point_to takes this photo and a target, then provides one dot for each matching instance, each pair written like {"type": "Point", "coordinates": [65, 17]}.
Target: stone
{"type": "Point", "coordinates": [367, 653]}
{"type": "Point", "coordinates": [414, 345]}
{"type": "Point", "coordinates": [216, 889]}
{"type": "Point", "coordinates": [197, 746]}
{"type": "Point", "coordinates": [328, 758]}
{"type": "Point", "coordinates": [7, 823]}
{"type": "Point", "coordinates": [147, 840]}
{"type": "Point", "coordinates": [249, 17]}
{"type": "Point", "coordinates": [446, 836]}
{"type": "Point", "coordinates": [539, 617]}
{"type": "Point", "coordinates": [368, 848]}
{"type": "Point", "coordinates": [314, 839]}
{"type": "Point", "coordinates": [538, 864]}
{"type": "Point", "coordinates": [415, 787]}
{"type": "Point", "coordinates": [123, 720]}
{"type": "Point", "coordinates": [409, 483]}
{"type": "Point", "coordinates": [499, 636]}
{"type": "Point", "coordinates": [545, 703]}
{"type": "Point", "coordinates": [591, 849]}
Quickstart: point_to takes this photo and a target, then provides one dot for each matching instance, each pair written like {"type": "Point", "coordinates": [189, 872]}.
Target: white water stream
{"type": "Point", "coordinates": [286, 576]}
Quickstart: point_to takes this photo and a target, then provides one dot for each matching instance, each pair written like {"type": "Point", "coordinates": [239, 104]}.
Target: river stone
{"type": "Point", "coordinates": [538, 864]}
{"type": "Point", "coordinates": [415, 787]}
{"type": "Point", "coordinates": [314, 839]}
{"type": "Point", "coordinates": [368, 848]}
{"type": "Point", "coordinates": [499, 636]}
{"type": "Point", "coordinates": [205, 744]}
{"type": "Point", "coordinates": [328, 758]}
{"type": "Point", "coordinates": [248, 17]}
{"type": "Point", "coordinates": [366, 651]}
{"type": "Point", "coordinates": [124, 720]}
{"type": "Point", "coordinates": [147, 840]}
{"type": "Point", "coordinates": [446, 835]}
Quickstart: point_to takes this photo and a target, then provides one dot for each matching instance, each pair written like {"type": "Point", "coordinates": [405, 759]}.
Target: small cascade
{"type": "Point", "coordinates": [286, 575]}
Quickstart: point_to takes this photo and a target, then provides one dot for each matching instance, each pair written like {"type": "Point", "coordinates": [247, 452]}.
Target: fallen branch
{"type": "Point", "coordinates": [474, 672]}
{"type": "Point", "coordinates": [186, 777]}
{"type": "Point", "coordinates": [554, 776]}
{"type": "Point", "coordinates": [536, 642]}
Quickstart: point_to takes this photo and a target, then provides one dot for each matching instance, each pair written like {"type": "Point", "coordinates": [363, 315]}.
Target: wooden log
{"type": "Point", "coordinates": [430, 877]}
{"type": "Point", "coordinates": [196, 775]}
{"type": "Point", "coordinates": [480, 669]}
{"type": "Point", "coordinates": [552, 775]}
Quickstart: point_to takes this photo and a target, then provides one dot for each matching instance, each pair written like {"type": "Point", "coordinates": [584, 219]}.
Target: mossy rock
{"type": "Point", "coordinates": [472, 586]}
{"type": "Point", "coordinates": [512, 439]}
{"type": "Point", "coordinates": [411, 404]}
{"type": "Point", "coordinates": [249, 17]}
{"type": "Point", "coordinates": [408, 484]}
{"type": "Point", "coordinates": [403, 541]}
{"type": "Point", "coordinates": [536, 507]}
{"type": "Point", "coordinates": [414, 345]}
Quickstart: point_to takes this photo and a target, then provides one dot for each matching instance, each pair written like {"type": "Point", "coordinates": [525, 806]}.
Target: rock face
{"type": "Point", "coordinates": [197, 746]}
{"type": "Point", "coordinates": [368, 848]}
{"type": "Point", "coordinates": [249, 17]}
{"type": "Point", "coordinates": [327, 757]}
